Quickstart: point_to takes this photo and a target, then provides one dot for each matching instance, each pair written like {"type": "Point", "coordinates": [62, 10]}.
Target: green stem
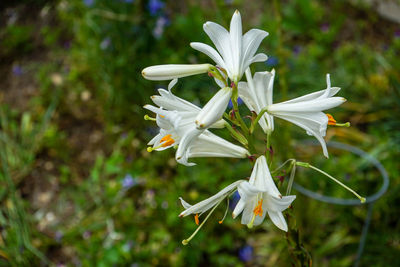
{"type": "Point", "coordinates": [307, 165]}
{"type": "Point", "coordinates": [254, 123]}
{"type": "Point", "coordinates": [239, 137]}
{"type": "Point", "coordinates": [291, 179]}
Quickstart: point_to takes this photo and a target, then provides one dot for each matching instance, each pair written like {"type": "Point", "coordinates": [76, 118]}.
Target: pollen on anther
{"type": "Point", "coordinates": [331, 120]}
{"type": "Point", "coordinates": [258, 209]}
{"type": "Point", "coordinates": [196, 219]}
{"type": "Point", "coordinates": [167, 140]}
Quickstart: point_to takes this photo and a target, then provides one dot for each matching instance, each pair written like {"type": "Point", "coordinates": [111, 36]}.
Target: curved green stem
{"type": "Point", "coordinates": [308, 165]}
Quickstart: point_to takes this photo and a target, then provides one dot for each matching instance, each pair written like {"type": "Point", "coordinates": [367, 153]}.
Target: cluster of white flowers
{"type": "Point", "coordinates": [185, 126]}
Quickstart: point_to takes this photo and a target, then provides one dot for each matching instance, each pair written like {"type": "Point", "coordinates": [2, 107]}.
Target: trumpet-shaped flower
{"type": "Point", "coordinates": [235, 51]}
{"type": "Point", "coordinates": [173, 71]}
{"type": "Point", "coordinates": [259, 196]}
{"type": "Point", "coordinates": [176, 119]}
{"type": "Point", "coordinates": [306, 111]}
{"type": "Point", "coordinates": [257, 94]}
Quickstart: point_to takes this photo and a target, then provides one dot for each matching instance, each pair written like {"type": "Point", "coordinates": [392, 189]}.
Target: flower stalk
{"type": "Point", "coordinates": [308, 165]}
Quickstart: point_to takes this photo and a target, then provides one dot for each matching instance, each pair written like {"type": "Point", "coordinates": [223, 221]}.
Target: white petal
{"type": "Point", "coordinates": [278, 219]}
{"type": "Point", "coordinates": [238, 208]}
{"type": "Point", "coordinates": [309, 128]}
{"type": "Point", "coordinates": [172, 84]}
{"type": "Point", "coordinates": [211, 201]}
{"type": "Point", "coordinates": [271, 203]}
{"type": "Point", "coordinates": [236, 44]}
{"type": "Point", "coordinates": [251, 42]}
{"type": "Point", "coordinates": [211, 145]}
{"type": "Point", "coordinates": [261, 178]}
{"type": "Point", "coordinates": [248, 213]}
{"type": "Point", "coordinates": [182, 151]}
{"type": "Point", "coordinates": [209, 51]}
{"type": "Point", "coordinates": [172, 71]}
{"type": "Point", "coordinates": [333, 91]}
{"type": "Point", "coordinates": [220, 37]}
{"type": "Point", "coordinates": [184, 203]}
{"type": "Point", "coordinates": [169, 101]}
{"type": "Point", "coordinates": [247, 97]}
{"type": "Point", "coordinates": [214, 109]}
{"type": "Point", "coordinates": [315, 105]}
{"type": "Point", "coordinates": [261, 57]}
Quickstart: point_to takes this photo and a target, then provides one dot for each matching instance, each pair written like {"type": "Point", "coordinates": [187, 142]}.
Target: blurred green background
{"type": "Point", "coordinates": [78, 187]}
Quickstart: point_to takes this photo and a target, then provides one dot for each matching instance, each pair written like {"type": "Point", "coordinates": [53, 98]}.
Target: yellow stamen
{"type": "Point", "coordinates": [331, 120]}
{"type": "Point", "coordinates": [148, 118]}
{"type": "Point", "coordinates": [196, 219]}
{"type": "Point", "coordinates": [258, 209]}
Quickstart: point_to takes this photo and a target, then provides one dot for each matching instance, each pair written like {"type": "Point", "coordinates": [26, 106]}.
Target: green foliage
{"type": "Point", "coordinates": [68, 157]}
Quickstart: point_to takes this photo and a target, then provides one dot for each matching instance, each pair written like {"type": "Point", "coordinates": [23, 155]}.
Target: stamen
{"type": "Point", "coordinates": [258, 209]}
{"type": "Point", "coordinates": [331, 120]}
{"type": "Point", "coordinates": [226, 211]}
{"type": "Point", "coordinates": [148, 118]}
{"type": "Point", "coordinates": [196, 218]}
{"type": "Point", "coordinates": [186, 241]}
{"type": "Point", "coordinates": [167, 141]}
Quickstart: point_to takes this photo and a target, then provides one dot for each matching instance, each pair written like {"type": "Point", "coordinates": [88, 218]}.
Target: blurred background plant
{"type": "Point", "coordinates": [78, 187]}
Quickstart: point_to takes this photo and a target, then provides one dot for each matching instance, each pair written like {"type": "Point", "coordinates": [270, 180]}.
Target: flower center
{"type": "Point", "coordinates": [258, 209]}
{"type": "Point", "coordinates": [331, 120]}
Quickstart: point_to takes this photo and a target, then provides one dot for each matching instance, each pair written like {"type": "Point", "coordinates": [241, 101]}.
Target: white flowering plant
{"type": "Point", "coordinates": [188, 128]}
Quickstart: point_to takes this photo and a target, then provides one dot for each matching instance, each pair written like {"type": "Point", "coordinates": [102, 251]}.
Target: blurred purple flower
{"type": "Point", "coordinates": [234, 200]}
{"type": "Point", "coordinates": [246, 253]}
{"type": "Point", "coordinates": [397, 33]}
{"type": "Point", "coordinates": [88, 3]}
{"type": "Point", "coordinates": [240, 101]}
{"type": "Point", "coordinates": [128, 245]}
{"type": "Point", "coordinates": [67, 45]}
{"type": "Point", "coordinates": [272, 61]}
{"type": "Point", "coordinates": [297, 49]}
{"type": "Point", "coordinates": [155, 6]}
{"type": "Point", "coordinates": [325, 27]}
{"type": "Point", "coordinates": [86, 235]}
{"type": "Point", "coordinates": [105, 43]}
{"type": "Point", "coordinates": [128, 182]}
{"type": "Point", "coordinates": [17, 70]}
{"type": "Point", "coordinates": [160, 25]}
{"type": "Point", "coordinates": [58, 236]}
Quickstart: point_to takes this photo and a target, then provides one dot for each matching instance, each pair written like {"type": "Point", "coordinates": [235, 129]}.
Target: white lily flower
{"type": "Point", "coordinates": [235, 51]}
{"type": "Point", "coordinates": [210, 202]}
{"type": "Point", "coordinates": [257, 94]}
{"type": "Point", "coordinates": [214, 109]}
{"type": "Point", "coordinates": [176, 119]}
{"type": "Point", "coordinates": [259, 196]}
{"type": "Point", "coordinates": [207, 144]}
{"type": "Point", "coordinates": [306, 111]}
{"type": "Point", "coordinates": [172, 71]}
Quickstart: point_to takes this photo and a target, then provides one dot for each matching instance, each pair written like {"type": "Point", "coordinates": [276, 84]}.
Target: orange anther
{"type": "Point", "coordinates": [196, 218]}
{"type": "Point", "coordinates": [258, 209]}
{"type": "Point", "coordinates": [331, 120]}
{"type": "Point", "coordinates": [167, 140]}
